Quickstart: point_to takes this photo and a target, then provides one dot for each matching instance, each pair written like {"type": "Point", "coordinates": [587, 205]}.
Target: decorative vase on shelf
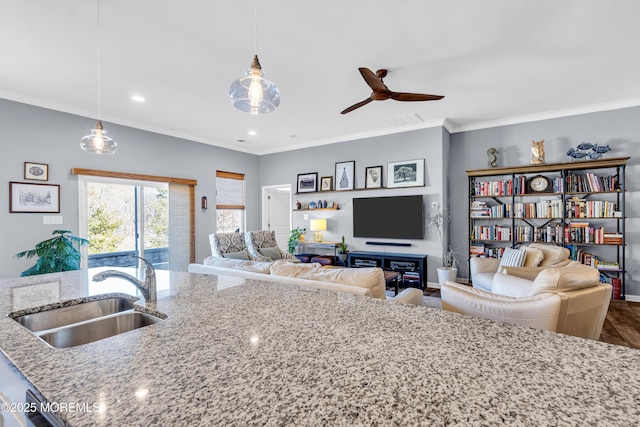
{"type": "Point", "coordinates": [312, 205]}
{"type": "Point", "coordinates": [298, 205]}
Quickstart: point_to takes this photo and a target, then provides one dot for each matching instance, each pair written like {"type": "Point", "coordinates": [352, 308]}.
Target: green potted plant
{"type": "Point", "coordinates": [294, 236]}
{"type": "Point", "coordinates": [56, 254]}
{"type": "Point", "coordinates": [342, 250]}
{"type": "Point", "coordinates": [449, 270]}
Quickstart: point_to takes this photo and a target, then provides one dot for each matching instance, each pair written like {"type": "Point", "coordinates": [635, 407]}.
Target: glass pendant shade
{"type": "Point", "coordinates": [253, 93]}
{"type": "Point", "coordinates": [98, 142]}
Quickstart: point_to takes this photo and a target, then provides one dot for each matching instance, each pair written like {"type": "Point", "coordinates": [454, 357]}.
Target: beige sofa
{"type": "Point", "coordinates": [358, 281]}
{"type": "Point", "coordinates": [584, 300]}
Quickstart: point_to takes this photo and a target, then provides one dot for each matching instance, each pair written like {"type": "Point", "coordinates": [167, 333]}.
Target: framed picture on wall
{"type": "Point", "coordinates": [345, 175]}
{"type": "Point", "coordinates": [373, 177]}
{"type": "Point", "coordinates": [308, 182]}
{"type": "Point", "coordinates": [34, 198]}
{"type": "Point", "coordinates": [326, 183]}
{"type": "Point", "coordinates": [36, 171]}
{"type": "Point", "coordinates": [407, 173]}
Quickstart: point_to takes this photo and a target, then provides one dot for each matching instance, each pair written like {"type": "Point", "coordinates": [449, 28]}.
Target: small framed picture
{"type": "Point", "coordinates": [308, 182]}
{"type": "Point", "coordinates": [36, 171]}
{"type": "Point", "coordinates": [373, 177]}
{"type": "Point", "coordinates": [326, 183]}
{"type": "Point", "coordinates": [408, 173]}
{"type": "Point", "coordinates": [345, 174]}
{"type": "Point", "coordinates": [34, 198]}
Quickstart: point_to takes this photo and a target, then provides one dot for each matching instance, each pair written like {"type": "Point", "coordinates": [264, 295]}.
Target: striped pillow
{"type": "Point", "coordinates": [512, 258]}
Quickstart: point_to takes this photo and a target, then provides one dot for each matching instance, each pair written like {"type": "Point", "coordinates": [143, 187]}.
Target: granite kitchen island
{"type": "Point", "coordinates": [243, 352]}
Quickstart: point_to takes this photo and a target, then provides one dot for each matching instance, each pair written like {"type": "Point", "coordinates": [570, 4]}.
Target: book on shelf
{"type": "Point", "coordinates": [616, 284]}
{"type": "Point", "coordinates": [612, 238]}
{"type": "Point", "coordinates": [608, 265]}
{"type": "Point", "coordinates": [476, 250]}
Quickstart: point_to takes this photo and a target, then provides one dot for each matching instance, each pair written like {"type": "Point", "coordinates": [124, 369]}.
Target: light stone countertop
{"type": "Point", "coordinates": [243, 352]}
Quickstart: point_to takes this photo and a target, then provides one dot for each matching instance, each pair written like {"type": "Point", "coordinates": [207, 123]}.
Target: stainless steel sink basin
{"type": "Point", "coordinates": [86, 322]}
{"type": "Point", "coordinates": [101, 328]}
{"type": "Point", "coordinates": [81, 312]}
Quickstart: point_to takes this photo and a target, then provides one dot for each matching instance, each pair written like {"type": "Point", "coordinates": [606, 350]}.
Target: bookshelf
{"type": "Point", "coordinates": [579, 205]}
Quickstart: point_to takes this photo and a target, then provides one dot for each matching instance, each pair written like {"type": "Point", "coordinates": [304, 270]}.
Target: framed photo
{"type": "Point", "coordinates": [308, 182]}
{"type": "Point", "coordinates": [37, 171]}
{"type": "Point", "coordinates": [345, 174]}
{"type": "Point", "coordinates": [373, 177]}
{"type": "Point", "coordinates": [34, 198]}
{"type": "Point", "coordinates": [408, 173]}
{"type": "Point", "coordinates": [326, 183]}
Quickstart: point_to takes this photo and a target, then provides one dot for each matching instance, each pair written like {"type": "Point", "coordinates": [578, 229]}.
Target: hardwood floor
{"type": "Point", "coordinates": [622, 326]}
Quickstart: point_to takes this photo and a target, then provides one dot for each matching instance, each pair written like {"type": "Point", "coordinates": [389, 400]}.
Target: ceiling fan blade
{"type": "Point", "coordinates": [403, 96]}
{"type": "Point", "coordinates": [358, 105]}
{"type": "Point", "coordinates": [373, 80]}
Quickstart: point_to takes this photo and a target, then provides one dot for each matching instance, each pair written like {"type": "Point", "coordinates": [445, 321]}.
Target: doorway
{"type": "Point", "coordinates": [276, 212]}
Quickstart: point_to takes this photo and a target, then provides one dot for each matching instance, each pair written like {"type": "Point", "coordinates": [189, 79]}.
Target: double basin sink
{"type": "Point", "coordinates": [86, 322]}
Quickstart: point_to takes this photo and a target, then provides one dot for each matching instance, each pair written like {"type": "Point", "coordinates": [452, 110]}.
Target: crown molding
{"type": "Point", "coordinates": [361, 135]}
{"type": "Point", "coordinates": [554, 114]}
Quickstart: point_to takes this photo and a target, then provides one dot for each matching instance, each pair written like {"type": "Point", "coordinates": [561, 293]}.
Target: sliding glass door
{"type": "Point", "coordinates": [127, 218]}
{"type": "Point", "coordinates": [124, 214]}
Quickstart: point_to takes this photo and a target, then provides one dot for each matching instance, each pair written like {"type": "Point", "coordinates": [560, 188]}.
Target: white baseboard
{"type": "Point", "coordinates": [632, 298]}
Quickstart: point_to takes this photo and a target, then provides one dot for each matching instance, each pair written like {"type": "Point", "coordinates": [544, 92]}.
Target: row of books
{"type": "Point", "coordinates": [548, 209]}
{"type": "Point", "coordinates": [493, 188]}
{"type": "Point", "coordinates": [551, 233]}
{"type": "Point", "coordinates": [577, 253]}
{"type": "Point", "coordinates": [577, 232]}
{"type": "Point", "coordinates": [590, 183]}
{"type": "Point", "coordinates": [482, 210]}
{"type": "Point", "coordinates": [485, 252]}
{"type": "Point", "coordinates": [545, 208]}
{"type": "Point", "coordinates": [491, 232]}
{"type": "Point", "coordinates": [576, 182]}
{"type": "Point", "coordinates": [579, 208]}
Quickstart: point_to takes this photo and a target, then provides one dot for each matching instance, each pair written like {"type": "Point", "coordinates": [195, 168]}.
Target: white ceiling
{"type": "Point", "coordinates": [496, 61]}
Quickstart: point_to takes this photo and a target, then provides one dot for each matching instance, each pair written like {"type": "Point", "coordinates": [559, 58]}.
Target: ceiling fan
{"type": "Point", "coordinates": [382, 92]}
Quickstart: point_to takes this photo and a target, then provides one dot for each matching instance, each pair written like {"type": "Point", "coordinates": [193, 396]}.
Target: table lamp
{"type": "Point", "coordinates": [318, 225]}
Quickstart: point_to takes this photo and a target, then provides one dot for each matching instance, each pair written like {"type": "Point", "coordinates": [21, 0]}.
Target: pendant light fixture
{"type": "Point", "coordinates": [253, 93]}
{"type": "Point", "coordinates": [98, 142]}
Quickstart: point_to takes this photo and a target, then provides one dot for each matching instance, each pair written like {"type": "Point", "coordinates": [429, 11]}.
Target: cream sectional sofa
{"type": "Point", "coordinates": [358, 281]}
{"type": "Point", "coordinates": [584, 300]}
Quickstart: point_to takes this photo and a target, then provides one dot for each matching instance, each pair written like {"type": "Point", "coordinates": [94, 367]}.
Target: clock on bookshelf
{"type": "Point", "coordinates": [539, 184]}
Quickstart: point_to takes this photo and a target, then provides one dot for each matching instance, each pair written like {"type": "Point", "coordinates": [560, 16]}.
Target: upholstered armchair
{"type": "Point", "coordinates": [262, 246]}
{"type": "Point", "coordinates": [538, 311]}
{"type": "Point", "coordinates": [228, 245]}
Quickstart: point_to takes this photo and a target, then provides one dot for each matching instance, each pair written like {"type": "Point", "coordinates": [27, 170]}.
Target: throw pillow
{"type": "Point", "coordinates": [273, 253]}
{"type": "Point", "coordinates": [243, 254]}
{"type": "Point", "coordinates": [511, 258]}
{"type": "Point", "coordinates": [533, 257]}
{"type": "Point", "coordinates": [553, 255]}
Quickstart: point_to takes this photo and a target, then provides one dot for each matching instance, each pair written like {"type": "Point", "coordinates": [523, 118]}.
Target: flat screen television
{"type": "Point", "coordinates": [397, 217]}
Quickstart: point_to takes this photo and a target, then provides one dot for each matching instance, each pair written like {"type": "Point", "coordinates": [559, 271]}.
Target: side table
{"type": "Point", "coordinates": [392, 278]}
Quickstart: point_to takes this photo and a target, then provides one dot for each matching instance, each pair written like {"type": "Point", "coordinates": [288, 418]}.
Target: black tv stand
{"type": "Point", "coordinates": [412, 267]}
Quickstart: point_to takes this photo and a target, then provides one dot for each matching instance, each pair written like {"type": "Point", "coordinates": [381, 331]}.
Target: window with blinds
{"type": "Point", "coordinates": [230, 211]}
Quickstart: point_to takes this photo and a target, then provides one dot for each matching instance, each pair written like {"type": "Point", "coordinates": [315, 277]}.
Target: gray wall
{"type": "Point", "coordinates": [39, 135]}
{"type": "Point", "coordinates": [618, 128]}
{"type": "Point", "coordinates": [428, 144]}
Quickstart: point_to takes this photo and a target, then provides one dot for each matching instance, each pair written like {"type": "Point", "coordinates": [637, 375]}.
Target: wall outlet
{"type": "Point", "coordinates": [305, 216]}
{"type": "Point", "coordinates": [52, 219]}
{"type": "Point", "coordinates": [434, 205]}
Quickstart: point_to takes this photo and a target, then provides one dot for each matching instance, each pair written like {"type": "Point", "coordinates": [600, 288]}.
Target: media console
{"type": "Point", "coordinates": [412, 267]}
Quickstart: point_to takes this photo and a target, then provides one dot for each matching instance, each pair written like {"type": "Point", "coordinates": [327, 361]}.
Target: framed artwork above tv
{"type": "Point", "coordinates": [407, 173]}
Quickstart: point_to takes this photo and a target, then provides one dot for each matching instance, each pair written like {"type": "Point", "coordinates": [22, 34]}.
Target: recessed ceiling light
{"type": "Point", "coordinates": [252, 133]}
{"type": "Point", "coordinates": [138, 98]}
